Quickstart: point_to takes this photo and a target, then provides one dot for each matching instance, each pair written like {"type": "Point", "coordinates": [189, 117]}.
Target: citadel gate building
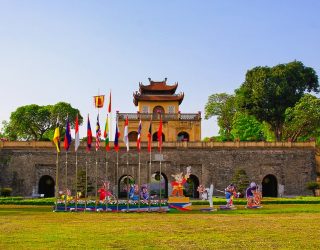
{"type": "Point", "coordinates": [280, 168]}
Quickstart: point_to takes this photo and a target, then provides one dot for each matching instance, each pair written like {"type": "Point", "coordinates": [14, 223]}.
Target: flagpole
{"type": "Point", "coordinates": [96, 172]}
{"type": "Point", "coordinates": [139, 184]}
{"type": "Point", "coordinates": [160, 147]}
{"type": "Point", "coordinates": [76, 199]}
{"type": "Point", "coordinates": [106, 199]}
{"type": "Point", "coordinates": [128, 183]}
{"type": "Point", "coordinates": [66, 181]}
{"type": "Point", "coordinates": [116, 181]}
{"type": "Point", "coordinates": [57, 183]}
{"type": "Point", "coordinates": [86, 184]}
{"type": "Point", "coordinates": [149, 174]}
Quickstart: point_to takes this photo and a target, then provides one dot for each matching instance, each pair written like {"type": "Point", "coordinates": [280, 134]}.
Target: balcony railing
{"type": "Point", "coordinates": [165, 116]}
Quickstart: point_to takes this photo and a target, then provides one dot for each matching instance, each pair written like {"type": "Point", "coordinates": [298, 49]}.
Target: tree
{"type": "Point", "coordinates": [302, 120]}
{"type": "Point", "coordinates": [246, 127]}
{"type": "Point", "coordinates": [313, 186]}
{"type": "Point", "coordinates": [267, 92]}
{"type": "Point", "coordinates": [241, 180]}
{"type": "Point", "coordinates": [34, 122]}
{"type": "Point", "coordinates": [223, 106]}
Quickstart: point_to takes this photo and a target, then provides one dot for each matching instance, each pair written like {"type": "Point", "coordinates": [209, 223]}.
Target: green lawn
{"type": "Point", "coordinates": [273, 226]}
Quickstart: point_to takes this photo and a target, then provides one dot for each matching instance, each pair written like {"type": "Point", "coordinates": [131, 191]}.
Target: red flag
{"type": "Point", "coordinates": [160, 135]}
{"type": "Point", "coordinates": [109, 107]}
{"type": "Point", "coordinates": [150, 137]}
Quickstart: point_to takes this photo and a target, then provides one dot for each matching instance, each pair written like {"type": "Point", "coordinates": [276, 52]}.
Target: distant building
{"type": "Point", "coordinates": [159, 99]}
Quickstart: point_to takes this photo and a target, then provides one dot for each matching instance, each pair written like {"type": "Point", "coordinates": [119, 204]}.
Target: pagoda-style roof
{"type": "Point", "coordinates": [157, 91]}
{"type": "Point", "coordinates": [156, 98]}
{"type": "Point", "coordinates": [158, 88]}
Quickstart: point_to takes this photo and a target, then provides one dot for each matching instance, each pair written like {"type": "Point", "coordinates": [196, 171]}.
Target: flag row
{"type": "Point", "coordinates": [106, 135]}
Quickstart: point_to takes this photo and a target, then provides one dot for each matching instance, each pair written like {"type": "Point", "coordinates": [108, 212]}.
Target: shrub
{"type": "Point", "coordinates": [313, 185]}
{"type": "Point", "coordinates": [6, 192]}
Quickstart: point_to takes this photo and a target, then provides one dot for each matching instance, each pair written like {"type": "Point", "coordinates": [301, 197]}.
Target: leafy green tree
{"type": "Point", "coordinates": [302, 120]}
{"type": "Point", "coordinates": [34, 122]}
{"type": "Point", "coordinates": [241, 180]}
{"type": "Point", "coordinates": [223, 106]}
{"type": "Point", "coordinates": [313, 186]}
{"type": "Point", "coordinates": [268, 92]}
{"type": "Point", "coordinates": [246, 127]}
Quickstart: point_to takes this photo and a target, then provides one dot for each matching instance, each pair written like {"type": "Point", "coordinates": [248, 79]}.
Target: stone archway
{"type": "Point", "coordinates": [269, 186]}
{"type": "Point", "coordinates": [155, 185]}
{"type": "Point", "coordinates": [123, 185]}
{"type": "Point", "coordinates": [183, 136]}
{"type": "Point", "coordinates": [46, 186]}
{"type": "Point", "coordinates": [133, 136]}
{"type": "Point", "coordinates": [155, 137]}
{"type": "Point", "coordinates": [191, 186]}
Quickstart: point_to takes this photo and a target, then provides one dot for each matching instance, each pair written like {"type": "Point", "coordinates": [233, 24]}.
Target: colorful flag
{"type": "Point", "coordinates": [109, 107]}
{"type": "Point", "coordinates": [150, 137]}
{"type": "Point", "coordinates": [76, 137]}
{"type": "Point", "coordinates": [160, 134]}
{"type": "Point", "coordinates": [106, 135]}
{"type": "Point", "coordinates": [67, 136]}
{"type": "Point", "coordinates": [139, 137]}
{"type": "Point", "coordinates": [89, 135]}
{"type": "Point", "coordinates": [56, 137]}
{"type": "Point", "coordinates": [98, 134]}
{"type": "Point", "coordinates": [98, 101]}
{"type": "Point", "coordinates": [126, 133]}
{"type": "Point", "coordinates": [116, 138]}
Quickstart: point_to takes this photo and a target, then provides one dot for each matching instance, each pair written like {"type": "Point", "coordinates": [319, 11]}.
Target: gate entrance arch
{"type": "Point", "coordinates": [269, 186]}
{"type": "Point", "coordinates": [46, 186]}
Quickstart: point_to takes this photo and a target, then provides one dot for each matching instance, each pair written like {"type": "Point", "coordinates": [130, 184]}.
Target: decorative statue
{"type": "Point", "coordinates": [144, 193]}
{"type": "Point", "coordinates": [231, 192]}
{"type": "Point", "coordinates": [253, 196]}
{"type": "Point", "coordinates": [206, 193]}
{"type": "Point", "coordinates": [104, 191]}
{"type": "Point", "coordinates": [180, 180]}
{"type": "Point", "coordinates": [134, 192]}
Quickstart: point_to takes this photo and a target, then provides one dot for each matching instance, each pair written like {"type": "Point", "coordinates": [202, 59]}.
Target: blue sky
{"type": "Point", "coordinates": [53, 51]}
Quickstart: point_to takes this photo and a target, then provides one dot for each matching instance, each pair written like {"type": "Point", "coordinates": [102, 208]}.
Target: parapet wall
{"type": "Point", "coordinates": [22, 164]}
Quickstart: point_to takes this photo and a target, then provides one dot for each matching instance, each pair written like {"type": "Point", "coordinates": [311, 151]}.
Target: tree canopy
{"type": "Point", "coordinates": [303, 119]}
{"type": "Point", "coordinates": [223, 106]}
{"type": "Point", "coordinates": [268, 91]}
{"type": "Point", "coordinates": [34, 122]}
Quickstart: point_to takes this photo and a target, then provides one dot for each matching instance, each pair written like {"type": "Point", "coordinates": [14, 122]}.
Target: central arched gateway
{"type": "Point", "coordinates": [191, 186]}
{"type": "Point", "coordinates": [269, 186]}
{"type": "Point", "coordinates": [46, 186]}
{"type": "Point", "coordinates": [156, 184]}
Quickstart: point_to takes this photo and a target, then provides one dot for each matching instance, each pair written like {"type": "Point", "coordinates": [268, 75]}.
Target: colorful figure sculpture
{"type": "Point", "coordinates": [134, 192]}
{"type": "Point", "coordinates": [104, 192]}
{"type": "Point", "coordinates": [180, 180]}
{"type": "Point", "coordinates": [144, 193]}
{"type": "Point", "coordinates": [230, 192]}
{"type": "Point", "coordinates": [206, 194]}
{"type": "Point", "coordinates": [253, 196]}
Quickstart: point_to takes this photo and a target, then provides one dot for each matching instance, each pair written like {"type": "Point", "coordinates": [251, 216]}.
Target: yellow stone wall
{"type": "Point", "coordinates": [152, 105]}
{"type": "Point", "coordinates": [170, 129]}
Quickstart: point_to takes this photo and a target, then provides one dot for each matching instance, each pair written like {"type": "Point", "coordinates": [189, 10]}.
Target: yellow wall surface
{"type": "Point", "coordinates": [152, 104]}
{"type": "Point", "coordinates": [170, 129]}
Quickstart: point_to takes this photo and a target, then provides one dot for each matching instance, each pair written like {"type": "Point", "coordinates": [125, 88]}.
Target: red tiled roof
{"type": "Point", "coordinates": [158, 87]}
{"type": "Point", "coordinates": [163, 98]}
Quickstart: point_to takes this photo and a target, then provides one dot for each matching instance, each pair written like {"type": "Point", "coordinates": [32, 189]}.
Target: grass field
{"type": "Point", "coordinates": [273, 226]}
